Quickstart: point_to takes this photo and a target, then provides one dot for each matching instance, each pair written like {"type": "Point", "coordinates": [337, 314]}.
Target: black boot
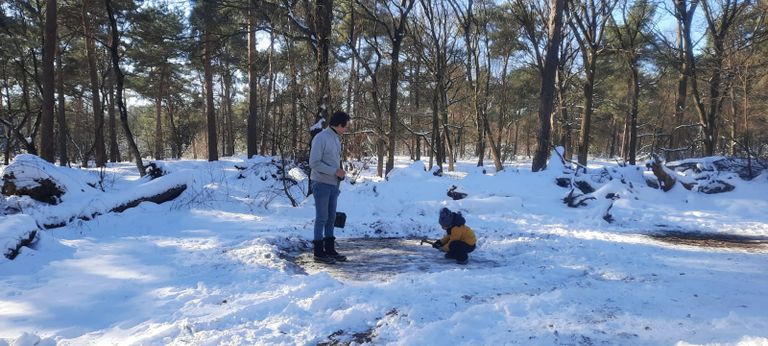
{"type": "Point", "coordinates": [320, 255]}
{"type": "Point", "coordinates": [330, 249]}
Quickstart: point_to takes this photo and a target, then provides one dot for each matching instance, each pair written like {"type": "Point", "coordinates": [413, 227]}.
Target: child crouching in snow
{"type": "Point", "coordinates": [459, 240]}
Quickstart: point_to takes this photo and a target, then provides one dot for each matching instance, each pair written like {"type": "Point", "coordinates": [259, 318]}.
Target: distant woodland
{"type": "Point", "coordinates": [86, 82]}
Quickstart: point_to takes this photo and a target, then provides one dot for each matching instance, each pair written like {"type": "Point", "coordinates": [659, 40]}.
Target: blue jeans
{"type": "Point", "coordinates": [326, 196]}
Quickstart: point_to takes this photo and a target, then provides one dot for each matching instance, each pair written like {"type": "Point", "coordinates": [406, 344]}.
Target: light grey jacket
{"type": "Point", "coordinates": [325, 157]}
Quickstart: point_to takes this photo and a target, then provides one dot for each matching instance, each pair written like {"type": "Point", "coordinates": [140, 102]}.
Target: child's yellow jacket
{"type": "Point", "coordinates": [462, 233]}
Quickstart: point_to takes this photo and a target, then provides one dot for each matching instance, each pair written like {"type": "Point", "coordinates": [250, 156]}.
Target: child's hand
{"type": "Point", "coordinates": [437, 244]}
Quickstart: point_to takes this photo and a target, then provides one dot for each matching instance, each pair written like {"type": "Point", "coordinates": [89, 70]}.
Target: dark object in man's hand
{"type": "Point", "coordinates": [437, 244]}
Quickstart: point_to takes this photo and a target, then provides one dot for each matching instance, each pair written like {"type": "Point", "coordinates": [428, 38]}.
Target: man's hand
{"type": "Point", "coordinates": [340, 173]}
{"type": "Point", "coordinates": [437, 244]}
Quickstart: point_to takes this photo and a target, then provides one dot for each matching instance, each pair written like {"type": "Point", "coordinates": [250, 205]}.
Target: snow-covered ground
{"type": "Point", "coordinates": [217, 265]}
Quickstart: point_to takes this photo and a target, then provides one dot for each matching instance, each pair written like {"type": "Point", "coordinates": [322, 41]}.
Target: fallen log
{"type": "Point", "coordinates": [665, 179]}
{"type": "Point", "coordinates": [159, 198]}
{"type": "Point", "coordinates": [122, 202]}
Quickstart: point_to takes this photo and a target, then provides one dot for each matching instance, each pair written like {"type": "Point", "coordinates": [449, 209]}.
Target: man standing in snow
{"type": "Point", "coordinates": [327, 174]}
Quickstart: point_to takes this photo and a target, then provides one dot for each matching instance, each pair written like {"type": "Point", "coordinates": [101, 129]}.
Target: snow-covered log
{"type": "Point", "coordinates": [29, 175]}
{"type": "Point", "coordinates": [159, 198]}
{"type": "Point", "coordinates": [16, 231]}
{"type": "Point", "coordinates": [746, 169]}
{"type": "Point", "coordinates": [160, 190]}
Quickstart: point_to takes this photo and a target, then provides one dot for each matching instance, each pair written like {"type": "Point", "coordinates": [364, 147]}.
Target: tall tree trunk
{"type": "Point", "coordinates": [210, 112]}
{"type": "Point", "coordinates": [93, 73]}
{"type": "Point", "coordinates": [415, 117]}
{"type": "Point", "coordinates": [228, 117]}
{"type": "Point", "coordinates": [119, 78]}
{"type": "Point", "coordinates": [114, 148]}
{"type": "Point", "coordinates": [175, 142]}
{"type": "Point", "coordinates": [323, 21]}
{"type": "Point", "coordinates": [61, 118]}
{"type": "Point", "coordinates": [28, 144]}
{"type": "Point", "coordinates": [586, 118]}
{"type": "Point", "coordinates": [293, 89]}
{"type": "Point", "coordinates": [437, 146]}
{"type": "Point", "coordinates": [394, 81]}
{"type": "Point", "coordinates": [159, 145]}
{"type": "Point", "coordinates": [732, 147]}
{"type": "Point", "coordinates": [471, 41]}
{"type": "Point", "coordinates": [449, 155]}
{"type": "Point", "coordinates": [252, 137]}
{"type": "Point", "coordinates": [517, 137]}
{"type": "Point", "coordinates": [269, 116]}
{"type": "Point", "coordinates": [492, 143]}
{"type": "Point", "coordinates": [80, 122]}
{"type": "Point", "coordinates": [614, 137]}
{"type": "Point", "coordinates": [633, 109]}
{"type": "Point", "coordinates": [676, 139]}
{"type": "Point", "coordinates": [47, 144]}
{"type": "Point", "coordinates": [745, 111]}
{"type": "Point", "coordinates": [503, 110]}
{"type": "Point", "coordinates": [528, 133]}
{"type": "Point", "coordinates": [566, 140]}
{"type": "Point", "coordinates": [547, 93]}
{"type": "Point", "coordinates": [625, 137]}
{"type": "Point", "coordinates": [353, 59]}
{"type": "Point", "coordinates": [7, 133]}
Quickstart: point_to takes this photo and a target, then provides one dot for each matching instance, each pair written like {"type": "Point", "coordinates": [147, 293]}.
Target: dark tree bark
{"type": "Point", "coordinates": [93, 74]}
{"type": "Point", "coordinates": [47, 144]}
{"type": "Point", "coordinates": [61, 118]}
{"type": "Point", "coordinates": [210, 112]}
{"type": "Point", "coordinates": [252, 137]}
{"type": "Point", "coordinates": [397, 34]}
{"type": "Point", "coordinates": [634, 96]}
{"type": "Point", "coordinates": [588, 22]}
{"type": "Point", "coordinates": [114, 148]}
{"type": "Point", "coordinates": [176, 143]}
{"type": "Point", "coordinates": [27, 106]}
{"type": "Point", "coordinates": [547, 91]}
{"type": "Point", "coordinates": [229, 132]}
{"type": "Point", "coordinates": [322, 22]}
{"type": "Point", "coordinates": [295, 92]}
{"type": "Point", "coordinates": [684, 18]}
{"type": "Point", "coordinates": [159, 145]}
{"type": "Point", "coordinates": [566, 139]}
{"type": "Point", "coordinates": [119, 79]}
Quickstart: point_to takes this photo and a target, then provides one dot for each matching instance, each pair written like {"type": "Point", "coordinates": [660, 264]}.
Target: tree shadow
{"type": "Point", "coordinates": [713, 240]}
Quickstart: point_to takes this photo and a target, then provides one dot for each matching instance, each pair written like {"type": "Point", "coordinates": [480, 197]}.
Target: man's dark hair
{"type": "Point", "coordinates": [339, 118]}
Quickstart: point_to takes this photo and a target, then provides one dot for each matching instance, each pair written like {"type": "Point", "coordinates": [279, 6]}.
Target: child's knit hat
{"type": "Point", "coordinates": [446, 218]}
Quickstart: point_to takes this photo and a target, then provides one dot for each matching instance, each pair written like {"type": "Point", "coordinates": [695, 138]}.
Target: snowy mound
{"type": "Point", "coordinates": [31, 175]}
{"type": "Point", "coordinates": [413, 171]}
